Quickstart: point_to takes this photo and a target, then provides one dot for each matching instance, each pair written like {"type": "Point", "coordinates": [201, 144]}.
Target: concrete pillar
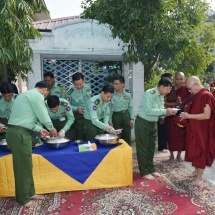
{"type": "Point", "coordinates": [134, 81]}
{"type": "Point", "coordinates": [19, 81]}
{"type": "Point", "coordinates": [33, 78]}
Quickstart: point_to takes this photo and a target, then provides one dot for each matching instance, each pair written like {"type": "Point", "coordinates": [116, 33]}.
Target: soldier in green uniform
{"type": "Point", "coordinates": [27, 109]}
{"type": "Point", "coordinates": [7, 98]}
{"type": "Point", "coordinates": [78, 95]}
{"type": "Point", "coordinates": [150, 109]}
{"type": "Point", "coordinates": [61, 115]}
{"type": "Point", "coordinates": [97, 113]}
{"type": "Point", "coordinates": [122, 109]}
{"type": "Point", "coordinates": [56, 89]}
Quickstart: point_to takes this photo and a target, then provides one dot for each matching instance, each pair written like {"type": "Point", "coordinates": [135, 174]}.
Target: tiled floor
{"type": "Point", "coordinates": [209, 172]}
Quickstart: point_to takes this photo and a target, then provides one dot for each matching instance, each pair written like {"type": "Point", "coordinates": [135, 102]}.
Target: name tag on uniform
{"type": "Point", "coordinates": [62, 119]}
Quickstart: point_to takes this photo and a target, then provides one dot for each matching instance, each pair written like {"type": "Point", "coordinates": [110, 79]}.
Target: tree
{"type": "Point", "coordinates": [156, 32]}
{"type": "Point", "coordinates": [16, 29]}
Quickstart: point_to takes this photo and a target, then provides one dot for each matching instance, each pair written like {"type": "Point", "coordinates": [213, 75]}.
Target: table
{"type": "Point", "coordinates": [107, 167]}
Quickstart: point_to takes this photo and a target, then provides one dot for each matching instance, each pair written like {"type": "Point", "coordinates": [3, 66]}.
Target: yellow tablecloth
{"type": "Point", "coordinates": [115, 170]}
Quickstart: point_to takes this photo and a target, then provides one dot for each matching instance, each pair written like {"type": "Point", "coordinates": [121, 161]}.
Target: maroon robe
{"type": "Point", "coordinates": [176, 135]}
{"type": "Point", "coordinates": [200, 134]}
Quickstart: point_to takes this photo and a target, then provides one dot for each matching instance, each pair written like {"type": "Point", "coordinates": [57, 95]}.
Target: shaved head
{"type": "Point", "coordinates": [194, 84]}
{"type": "Point", "coordinates": [193, 80]}
{"type": "Point", "coordinates": [180, 74]}
{"type": "Point", "coordinates": [179, 79]}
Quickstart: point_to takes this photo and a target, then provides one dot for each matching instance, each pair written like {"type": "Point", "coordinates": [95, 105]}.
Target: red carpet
{"type": "Point", "coordinates": [169, 194]}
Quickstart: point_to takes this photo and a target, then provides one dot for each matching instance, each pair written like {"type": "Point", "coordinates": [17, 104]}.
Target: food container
{"type": "Point", "coordinates": [78, 142]}
{"type": "Point", "coordinates": [119, 131]}
{"type": "Point", "coordinates": [107, 139]}
{"type": "Point", "coordinates": [57, 143]}
{"type": "Point", "coordinates": [4, 146]}
{"type": "Point", "coordinates": [87, 147]}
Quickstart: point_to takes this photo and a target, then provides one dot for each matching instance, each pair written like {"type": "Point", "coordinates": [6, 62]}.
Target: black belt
{"type": "Point", "coordinates": [91, 120]}
{"type": "Point", "coordinates": [122, 111]}
{"type": "Point", "coordinates": [20, 128]}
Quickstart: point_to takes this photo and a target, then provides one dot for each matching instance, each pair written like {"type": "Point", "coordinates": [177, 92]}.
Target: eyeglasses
{"type": "Point", "coordinates": [190, 88]}
{"type": "Point", "coordinates": [169, 88]}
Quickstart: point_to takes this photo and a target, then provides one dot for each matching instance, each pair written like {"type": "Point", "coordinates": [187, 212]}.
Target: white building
{"type": "Point", "coordinates": [72, 44]}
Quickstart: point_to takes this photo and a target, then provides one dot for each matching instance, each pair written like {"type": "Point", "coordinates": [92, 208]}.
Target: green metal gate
{"type": "Point", "coordinates": [97, 72]}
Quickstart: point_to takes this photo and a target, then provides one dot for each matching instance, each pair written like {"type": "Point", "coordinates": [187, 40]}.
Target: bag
{"type": "Point", "coordinates": [180, 123]}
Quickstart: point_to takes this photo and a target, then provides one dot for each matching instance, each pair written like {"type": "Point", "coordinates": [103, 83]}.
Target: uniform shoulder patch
{"type": "Point", "coordinates": [152, 91]}
{"type": "Point", "coordinates": [68, 108]}
{"type": "Point", "coordinates": [65, 104]}
{"type": "Point", "coordinates": [15, 95]}
{"type": "Point", "coordinates": [94, 107]}
{"type": "Point", "coordinates": [67, 98]}
{"type": "Point", "coordinates": [88, 90]}
{"type": "Point", "coordinates": [60, 85]}
{"type": "Point", "coordinates": [97, 102]}
{"type": "Point", "coordinates": [127, 91]}
{"type": "Point", "coordinates": [70, 91]}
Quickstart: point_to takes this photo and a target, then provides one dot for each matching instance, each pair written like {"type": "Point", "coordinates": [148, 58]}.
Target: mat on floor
{"type": "Point", "coordinates": [169, 194]}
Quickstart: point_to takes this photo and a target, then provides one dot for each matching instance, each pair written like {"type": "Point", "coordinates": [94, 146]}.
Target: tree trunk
{"type": "Point", "coordinates": [5, 73]}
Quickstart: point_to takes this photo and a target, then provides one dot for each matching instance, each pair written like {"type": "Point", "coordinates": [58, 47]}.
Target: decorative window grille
{"type": "Point", "coordinates": [98, 73]}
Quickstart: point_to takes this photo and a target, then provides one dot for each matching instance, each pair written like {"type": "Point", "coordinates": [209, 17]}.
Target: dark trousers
{"type": "Point", "coordinates": [58, 125]}
{"type": "Point", "coordinates": [92, 130]}
{"type": "Point", "coordinates": [145, 134]}
{"type": "Point", "coordinates": [20, 143]}
{"type": "Point", "coordinates": [162, 136]}
{"type": "Point", "coordinates": [79, 126]}
{"type": "Point", "coordinates": [122, 120]}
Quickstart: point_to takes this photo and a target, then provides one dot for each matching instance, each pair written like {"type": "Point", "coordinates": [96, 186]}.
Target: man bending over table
{"type": "Point", "coordinates": [28, 107]}
{"type": "Point", "coordinates": [61, 114]}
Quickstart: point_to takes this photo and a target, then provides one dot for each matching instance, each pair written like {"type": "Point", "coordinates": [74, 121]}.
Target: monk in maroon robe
{"type": "Point", "coordinates": [200, 133]}
{"type": "Point", "coordinates": [176, 134]}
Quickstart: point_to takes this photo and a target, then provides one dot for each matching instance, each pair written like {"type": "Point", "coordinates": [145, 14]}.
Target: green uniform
{"type": "Point", "coordinates": [78, 98]}
{"type": "Point", "coordinates": [96, 114]}
{"type": "Point", "coordinates": [150, 109]}
{"type": "Point", "coordinates": [28, 107]}
{"type": "Point", "coordinates": [122, 111]}
{"type": "Point", "coordinates": [58, 90]}
{"type": "Point", "coordinates": [206, 85]}
{"type": "Point", "coordinates": [63, 118]}
{"type": "Point", "coordinates": [5, 109]}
